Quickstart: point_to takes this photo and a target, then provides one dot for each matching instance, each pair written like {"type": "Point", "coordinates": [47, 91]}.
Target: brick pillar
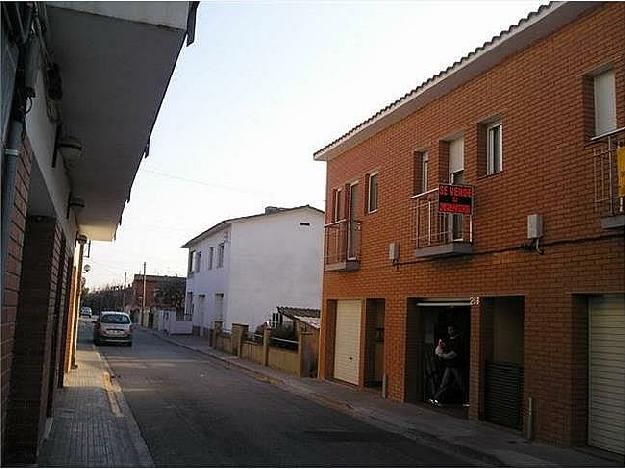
{"type": "Point", "coordinates": [326, 340]}
{"type": "Point", "coordinates": [481, 332]}
{"type": "Point", "coordinates": [11, 281]}
{"type": "Point", "coordinates": [26, 413]}
{"type": "Point", "coordinates": [369, 330]}
{"type": "Point", "coordinates": [239, 333]}
{"type": "Point", "coordinates": [217, 326]}
{"type": "Point", "coordinates": [305, 351]}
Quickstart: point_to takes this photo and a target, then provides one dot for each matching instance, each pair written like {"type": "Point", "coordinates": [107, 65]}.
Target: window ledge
{"type": "Point", "coordinates": [488, 176]}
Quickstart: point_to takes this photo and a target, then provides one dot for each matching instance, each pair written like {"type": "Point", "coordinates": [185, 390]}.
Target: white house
{"type": "Point", "coordinates": [241, 268]}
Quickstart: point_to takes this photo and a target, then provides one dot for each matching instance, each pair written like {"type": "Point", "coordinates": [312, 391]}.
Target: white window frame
{"type": "Point", "coordinates": [369, 192]}
{"type": "Point", "coordinates": [198, 261]}
{"type": "Point", "coordinates": [191, 262]}
{"type": "Point", "coordinates": [336, 210]}
{"type": "Point", "coordinates": [425, 158]}
{"type": "Point", "coordinates": [604, 101]}
{"type": "Point", "coordinates": [492, 166]}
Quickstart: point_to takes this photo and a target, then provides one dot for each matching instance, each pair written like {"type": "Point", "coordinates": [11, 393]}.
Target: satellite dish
{"type": "Point", "coordinates": [87, 268]}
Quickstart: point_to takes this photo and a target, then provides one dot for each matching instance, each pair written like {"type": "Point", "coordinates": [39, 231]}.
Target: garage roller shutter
{"type": "Point", "coordinates": [606, 366]}
{"type": "Point", "coordinates": [347, 341]}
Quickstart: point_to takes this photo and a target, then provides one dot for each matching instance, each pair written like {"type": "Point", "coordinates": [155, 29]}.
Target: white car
{"type": "Point", "coordinates": [113, 327]}
{"type": "Point", "coordinates": [85, 311]}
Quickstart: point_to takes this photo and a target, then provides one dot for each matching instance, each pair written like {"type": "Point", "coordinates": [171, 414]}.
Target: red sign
{"type": "Point", "coordinates": [453, 198]}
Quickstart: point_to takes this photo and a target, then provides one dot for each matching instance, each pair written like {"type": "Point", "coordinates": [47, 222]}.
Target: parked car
{"type": "Point", "coordinates": [113, 327]}
{"type": "Point", "coordinates": [85, 311]}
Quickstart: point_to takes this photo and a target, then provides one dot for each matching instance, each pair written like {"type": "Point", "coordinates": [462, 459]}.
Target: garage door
{"type": "Point", "coordinates": [606, 406]}
{"type": "Point", "coordinates": [347, 341]}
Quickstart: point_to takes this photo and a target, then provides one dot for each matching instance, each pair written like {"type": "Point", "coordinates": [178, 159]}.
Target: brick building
{"type": "Point", "coordinates": [527, 129]}
{"type": "Point", "coordinates": [161, 291]}
{"type": "Point", "coordinates": [70, 152]}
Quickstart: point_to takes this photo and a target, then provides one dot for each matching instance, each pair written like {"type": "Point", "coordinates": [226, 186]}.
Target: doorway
{"type": "Point", "coordinates": [436, 321]}
{"type": "Point", "coordinates": [427, 322]}
{"type": "Point", "coordinates": [374, 342]}
{"type": "Point", "coordinates": [201, 308]}
{"type": "Point", "coordinates": [352, 237]}
{"type": "Point", "coordinates": [504, 370]}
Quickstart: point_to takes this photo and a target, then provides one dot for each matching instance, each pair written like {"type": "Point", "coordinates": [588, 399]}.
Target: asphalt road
{"type": "Point", "coordinates": [193, 411]}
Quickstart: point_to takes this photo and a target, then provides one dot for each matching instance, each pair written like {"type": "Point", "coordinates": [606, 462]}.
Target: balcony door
{"type": "Point", "coordinates": [456, 176]}
{"type": "Point", "coordinates": [352, 233]}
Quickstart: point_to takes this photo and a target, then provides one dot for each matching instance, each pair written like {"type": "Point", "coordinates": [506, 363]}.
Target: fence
{"type": "Point", "coordinates": [172, 323]}
{"type": "Point", "coordinates": [295, 357]}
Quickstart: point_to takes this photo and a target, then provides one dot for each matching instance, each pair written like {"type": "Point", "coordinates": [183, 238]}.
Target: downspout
{"type": "Point", "coordinates": [14, 140]}
{"type": "Point", "coordinates": [9, 175]}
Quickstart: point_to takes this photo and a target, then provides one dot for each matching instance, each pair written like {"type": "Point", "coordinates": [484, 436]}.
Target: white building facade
{"type": "Point", "coordinates": [241, 269]}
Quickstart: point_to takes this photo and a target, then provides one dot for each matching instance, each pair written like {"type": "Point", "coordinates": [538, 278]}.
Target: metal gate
{"type": "Point", "coordinates": [504, 393]}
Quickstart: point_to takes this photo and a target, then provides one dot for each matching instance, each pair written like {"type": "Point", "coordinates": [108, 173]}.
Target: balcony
{"type": "Point", "coordinates": [342, 246]}
{"type": "Point", "coordinates": [608, 149]}
{"type": "Point", "coordinates": [438, 234]}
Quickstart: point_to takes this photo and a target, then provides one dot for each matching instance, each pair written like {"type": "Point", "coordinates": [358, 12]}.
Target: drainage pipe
{"type": "Point", "coordinates": [9, 176]}
{"type": "Point", "coordinates": [384, 385]}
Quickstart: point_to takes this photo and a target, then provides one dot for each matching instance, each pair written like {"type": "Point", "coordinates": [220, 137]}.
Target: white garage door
{"type": "Point", "coordinates": [347, 341]}
{"type": "Point", "coordinates": [606, 405]}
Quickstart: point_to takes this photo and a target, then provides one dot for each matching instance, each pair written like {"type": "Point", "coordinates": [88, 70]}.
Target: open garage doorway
{"type": "Point", "coordinates": [428, 323]}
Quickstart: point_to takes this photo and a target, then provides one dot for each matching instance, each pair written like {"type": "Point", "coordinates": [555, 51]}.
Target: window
{"type": "Point", "coordinates": [605, 102]}
{"type": "Point", "coordinates": [276, 320]}
{"type": "Point", "coordinates": [493, 148]}
{"type": "Point", "coordinates": [424, 172]}
{"type": "Point", "coordinates": [190, 262]}
{"type": "Point", "coordinates": [420, 172]}
{"type": "Point", "coordinates": [337, 204]}
{"type": "Point", "coordinates": [372, 196]}
{"type": "Point", "coordinates": [198, 260]}
{"type": "Point", "coordinates": [220, 254]}
{"type": "Point", "coordinates": [219, 306]}
{"type": "Point", "coordinates": [211, 253]}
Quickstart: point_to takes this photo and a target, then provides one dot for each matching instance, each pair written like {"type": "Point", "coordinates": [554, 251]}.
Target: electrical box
{"type": "Point", "coordinates": [393, 252]}
{"type": "Point", "coordinates": [534, 226]}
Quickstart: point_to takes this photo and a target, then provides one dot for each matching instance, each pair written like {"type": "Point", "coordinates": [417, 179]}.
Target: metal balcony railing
{"type": "Point", "coordinates": [608, 201]}
{"type": "Point", "coordinates": [433, 229]}
{"type": "Point", "coordinates": [342, 244]}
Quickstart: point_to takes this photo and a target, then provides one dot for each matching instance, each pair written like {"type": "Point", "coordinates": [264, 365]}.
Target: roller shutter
{"type": "Point", "coordinates": [606, 366]}
{"type": "Point", "coordinates": [347, 341]}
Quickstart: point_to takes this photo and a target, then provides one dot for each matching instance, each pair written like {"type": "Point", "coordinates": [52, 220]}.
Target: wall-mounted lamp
{"type": "Point", "coordinates": [70, 149]}
{"type": "Point", "coordinates": [75, 203]}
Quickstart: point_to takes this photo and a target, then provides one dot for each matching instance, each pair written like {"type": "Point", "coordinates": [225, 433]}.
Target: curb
{"type": "Point", "coordinates": [138, 442]}
{"type": "Point", "coordinates": [342, 406]}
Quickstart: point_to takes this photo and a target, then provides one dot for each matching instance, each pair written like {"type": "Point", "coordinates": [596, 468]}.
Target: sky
{"type": "Point", "coordinates": [263, 87]}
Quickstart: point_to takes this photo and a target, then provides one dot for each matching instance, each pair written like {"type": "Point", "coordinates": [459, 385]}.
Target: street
{"type": "Point", "coordinates": [193, 411]}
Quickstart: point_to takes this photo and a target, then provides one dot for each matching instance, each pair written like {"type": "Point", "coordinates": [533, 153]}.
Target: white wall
{"type": "Point", "coordinates": [209, 282]}
{"type": "Point", "coordinates": [275, 262]}
{"type": "Point", "coordinates": [169, 14]}
{"type": "Point", "coordinates": [41, 133]}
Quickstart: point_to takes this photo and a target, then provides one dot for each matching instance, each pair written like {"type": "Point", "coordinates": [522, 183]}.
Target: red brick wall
{"type": "Point", "coordinates": [29, 388]}
{"type": "Point", "coordinates": [12, 276]}
{"type": "Point", "coordinates": [539, 95]}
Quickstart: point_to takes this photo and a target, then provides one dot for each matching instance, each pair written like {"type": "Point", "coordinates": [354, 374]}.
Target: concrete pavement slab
{"type": "Point", "coordinates": [92, 425]}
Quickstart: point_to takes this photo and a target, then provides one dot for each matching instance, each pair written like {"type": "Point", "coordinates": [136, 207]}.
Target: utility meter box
{"type": "Point", "coordinates": [534, 226]}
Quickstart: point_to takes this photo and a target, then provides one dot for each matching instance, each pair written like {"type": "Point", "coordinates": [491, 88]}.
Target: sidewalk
{"type": "Point", "coordinates": [479, 440]}
{"type": "Point", "coordinates": [92, 424]}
